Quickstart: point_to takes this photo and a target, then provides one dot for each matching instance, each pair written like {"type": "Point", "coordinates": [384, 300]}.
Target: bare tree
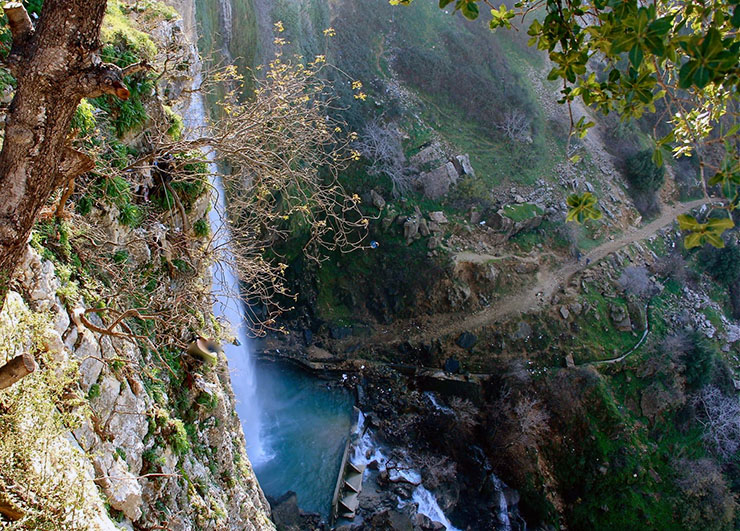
{"type": "Point", "coordinates": [516, 126]}
{"type": "Point", "coordinates": [673, 266]}
{"type": "Point", "coordinates": [636, 281]}
{"type": "Point", "coordinates": [280, 157]}
{"type": "Point", "coordinates": [676, 345]}
{"type": "Point", "coordinates": [720, 417]}
{"type": "Point", "coordinates": [435, 469]}
{"type": "Point", "coordinates": [381, 145]}
{"type": "Point", "coordinates": [465, 415]}
{"type": "Point", "coordinates": [532, 419]}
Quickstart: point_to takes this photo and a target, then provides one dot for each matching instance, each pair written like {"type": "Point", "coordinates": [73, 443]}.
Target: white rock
{"type": "Point", "coordinates": [128, 424]}
{"type": "Point", "coordinates": [90, 365]}
{"type": "Point", "coordinates": [122, 488]}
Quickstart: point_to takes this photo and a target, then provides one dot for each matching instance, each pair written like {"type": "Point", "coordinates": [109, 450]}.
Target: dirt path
{"type": "Point", "coordinates": [534, 298]}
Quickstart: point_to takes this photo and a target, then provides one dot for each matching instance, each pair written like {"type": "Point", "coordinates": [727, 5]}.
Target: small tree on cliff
{"type": "Point", "coordinates": [55, 65]}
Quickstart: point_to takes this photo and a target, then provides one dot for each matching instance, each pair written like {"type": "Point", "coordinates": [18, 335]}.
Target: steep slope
{"type": "Point", "coordinates": [128, 430]}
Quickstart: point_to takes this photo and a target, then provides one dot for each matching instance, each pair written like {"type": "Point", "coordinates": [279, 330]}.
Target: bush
{"type": "Point", "coordinates": [642, 173]}
{"type": "Point", "coordinates": [201, 228]}
{"type": "Point", "coordinates": [699, 362]}
{"type": "Point", "coordinates": [723, 264]}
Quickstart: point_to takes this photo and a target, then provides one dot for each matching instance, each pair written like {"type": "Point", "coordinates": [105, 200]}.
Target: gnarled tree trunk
{"type": "Point", "coordinates": [55, 65]}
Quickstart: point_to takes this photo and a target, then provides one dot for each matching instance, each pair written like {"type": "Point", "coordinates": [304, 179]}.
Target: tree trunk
{"type": "Point", "coordinates": [15, 369]}
{"type": "Point", "coordinates": [55, 66]}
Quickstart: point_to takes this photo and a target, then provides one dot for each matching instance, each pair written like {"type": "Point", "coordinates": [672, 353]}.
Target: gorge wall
{"type": "Point", "coordinates": [126, 433]}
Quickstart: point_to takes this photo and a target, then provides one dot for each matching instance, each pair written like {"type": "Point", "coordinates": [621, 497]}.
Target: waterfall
{"type": "Point", "coordinates": [226, 24]}
{"type": "Point", "coordinates": [228, 307]}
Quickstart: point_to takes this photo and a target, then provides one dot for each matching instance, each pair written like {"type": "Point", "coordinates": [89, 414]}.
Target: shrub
{"type": "Point", "coordinates": [642, 173]}
{"type": "Point", "coordinates": [201, 228]}
{"type": "Point", "coordinates": [698, 362]}
{"type": "Point", "coordinates": [176, 123]}
{"type": "Point", "coordinates": [724, 264]}
{"type": "Point", "coordinates": [178, 437]}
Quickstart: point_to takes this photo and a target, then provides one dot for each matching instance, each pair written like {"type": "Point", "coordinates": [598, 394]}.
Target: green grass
{"type": "Point", "coordinates": [522, 212]}
{"type": "Point", "coordinates": [600, 339]}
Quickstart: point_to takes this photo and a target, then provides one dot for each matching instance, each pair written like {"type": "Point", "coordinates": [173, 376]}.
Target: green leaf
{"type": "Point", "coordinates": [692, 240]}
{"type": "Point", "coordinates": [470, 10]}
{"type": "Point", "coordinates": [444, 3]}
{"type": "Point", "coordinates": [687, 222]}
{"type": "Point", "coordinates": [636, 56]}
{"type": "Point", "coordinates": [720, 224]}
{"type": "Point", "coordinates": [715, 240]}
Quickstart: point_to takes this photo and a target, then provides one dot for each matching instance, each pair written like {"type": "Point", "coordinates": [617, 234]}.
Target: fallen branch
{"type": "Point", "coordinates": [17, 368]}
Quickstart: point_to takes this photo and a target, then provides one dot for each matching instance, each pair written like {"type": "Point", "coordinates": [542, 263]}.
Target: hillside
{"type": "Point", "coordinates": [305, 265]}
{"type": "Point", "coordinates": [465, 167]}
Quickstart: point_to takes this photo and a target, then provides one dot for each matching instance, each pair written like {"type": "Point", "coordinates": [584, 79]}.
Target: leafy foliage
{"type": "Point", "coordinates": [701, 233]}
{"type": "Point", "coordinates": [582, 207]}
{"type": "Point", "coordinates": [681, 57]}
{"type": "Point", "coordinates": [643, 174]}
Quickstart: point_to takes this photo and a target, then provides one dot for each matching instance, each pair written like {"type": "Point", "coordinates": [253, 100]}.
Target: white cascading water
{"type": "Point", "coordinates": [228, 306]}
{"type": "Point", "coordinates": [367, 451]}
{"type": "Point", "coordinates": [226, 24]}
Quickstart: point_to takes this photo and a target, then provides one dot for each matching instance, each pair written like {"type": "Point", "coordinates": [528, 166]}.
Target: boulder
{"type": "Point", "coordinates": [620, 317]}
{"type": "Point", "coordinates": [467, 168]}
{"type": "Point", "coordinates": [377, 200]}
{"type": "Point", "coordinates": [431, 153]}
{"type": "Point", "coordinates": [438, 217]}
{"type": "Point", "coordinates": [434, 242]}
{"type": "Point", "coordinates": [410, 229]}
{"type": "Point", "coordinates": [285, 511]}
{"type": "Point", "coordinates": [423, 523]}
{"type": "Point", "coordinates": [424, 228]}
{"type": "Point", "coordinates": [467, 340]}
{"type": "Point", "coordinates": [499, 222]}
{"type": "Point", "coordinates": [388, 220]}
{"type": "Point", "coordinates": [436, 183]}
{"type": "Point", "coordinates": [564, 313]}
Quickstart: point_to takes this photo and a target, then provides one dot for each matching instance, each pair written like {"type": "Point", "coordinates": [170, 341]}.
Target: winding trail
{"type": "Point", "coordinates": [535, 297]}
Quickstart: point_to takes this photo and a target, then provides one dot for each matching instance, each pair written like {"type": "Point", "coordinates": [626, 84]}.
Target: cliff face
{"type": "Point", "coordinates": [112, 432]}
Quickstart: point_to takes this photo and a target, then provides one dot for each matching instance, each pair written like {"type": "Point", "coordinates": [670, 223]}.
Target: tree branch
{"type": "Point", "coordinates": [19, 22]}
{"type": "Point", "coordinates": [15, 369]}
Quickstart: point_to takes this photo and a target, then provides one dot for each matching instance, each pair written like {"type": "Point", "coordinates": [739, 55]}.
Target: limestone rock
{"type": "Point", "coordinates": [620, 317]}
{"type": "Point", "coordinates": [436, 183]}
{"type": "Point", "coordinates": [89, 355]}
{"type": "Point", "coordinates": [467, 168]}
{"type": "Point", "coordinates": [120, 486]}
{"type": "Point", "coordinates": [410, 229]}
{"type": "Point", "coordinates": [377, 200]}
{"type": "Point", "coordinates": [431, 153]}
{"type": "Point", "coordinates": [564, 313]}
{"type": "Point", "coordinates": [438, 217]}
{"type": "Point", "coordinates": [129, 425]}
